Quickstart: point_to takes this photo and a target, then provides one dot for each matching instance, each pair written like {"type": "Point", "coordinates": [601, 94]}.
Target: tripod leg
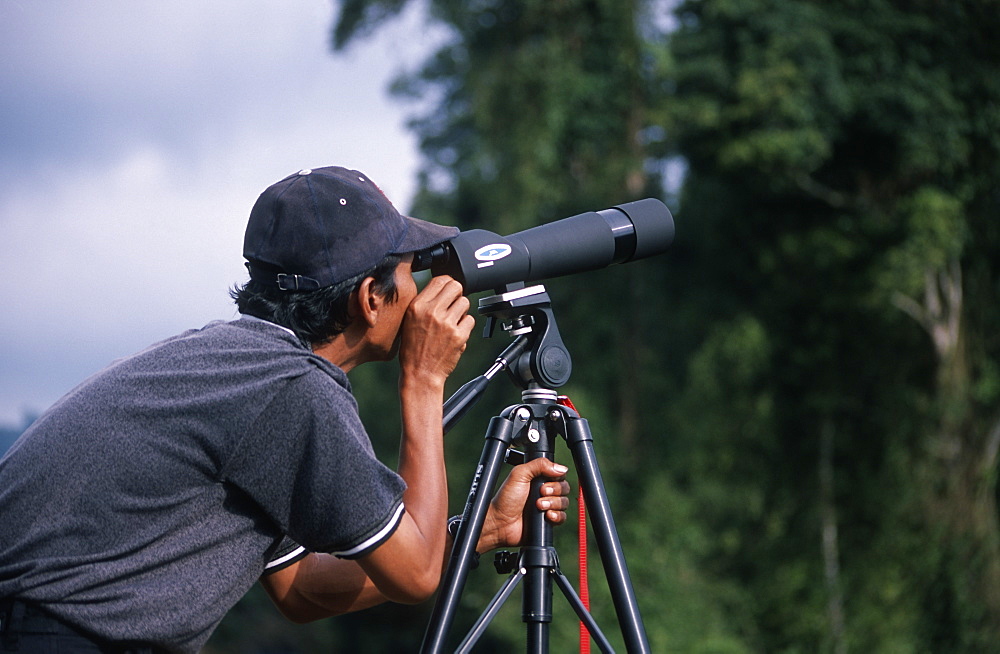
{"type": "Point", "coordinates": [581, 444]}
{"type": "Point", "coordinates": [581, 611]}
{"type": "Point", "coordinates": [491, 611]}
{"type": "Point", "coordinates": [498, 439]}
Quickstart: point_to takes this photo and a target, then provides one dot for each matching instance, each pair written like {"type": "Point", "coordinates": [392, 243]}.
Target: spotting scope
{"type": "Point", "coordinates": [483, 260]}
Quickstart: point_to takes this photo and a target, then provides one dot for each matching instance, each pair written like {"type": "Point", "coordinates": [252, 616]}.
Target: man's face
{"type": "Point", "coordinates": [387, 332]}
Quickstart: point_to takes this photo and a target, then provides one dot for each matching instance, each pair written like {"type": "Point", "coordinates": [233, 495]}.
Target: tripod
{"type": "Point", "coordinates": [538, 362]}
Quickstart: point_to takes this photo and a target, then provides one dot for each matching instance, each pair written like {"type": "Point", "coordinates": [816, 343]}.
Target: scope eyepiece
{"type": "Point", "coordinates": [424, 259]}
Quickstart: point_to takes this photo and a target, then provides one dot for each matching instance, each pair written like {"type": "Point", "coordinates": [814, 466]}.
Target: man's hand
{"type": "Point", "coordinates": [504, 524]}
{"type": "Point", "coordinates": [435, 330]}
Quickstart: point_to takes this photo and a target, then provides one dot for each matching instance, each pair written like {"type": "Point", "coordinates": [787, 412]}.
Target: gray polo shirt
{"type": "Point", "coordinates": [148, 500]}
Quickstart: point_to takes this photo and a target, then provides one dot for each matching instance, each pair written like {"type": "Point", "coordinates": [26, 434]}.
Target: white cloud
{"type": "Point", "coordinates": [135, 137]}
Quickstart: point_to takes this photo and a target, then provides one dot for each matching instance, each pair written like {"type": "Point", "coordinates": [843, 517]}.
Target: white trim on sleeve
{"type": "Point", "coordinates": [375, 538]}
{"type": "Point", "coordinates": [287, 557]}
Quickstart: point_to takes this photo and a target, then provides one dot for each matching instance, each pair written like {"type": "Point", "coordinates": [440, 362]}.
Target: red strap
{"type": "Point", "coordinates": [581, 522]}
{"type": "Point", "coordinates": [584, 586]}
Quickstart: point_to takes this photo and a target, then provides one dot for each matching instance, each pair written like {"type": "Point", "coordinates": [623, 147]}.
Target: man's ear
{"type": "Point", "coordinates": [368, 301]}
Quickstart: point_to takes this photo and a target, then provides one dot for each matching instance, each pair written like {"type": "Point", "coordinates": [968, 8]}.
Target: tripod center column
{"type": "Point", "coordinates": [538, 554]}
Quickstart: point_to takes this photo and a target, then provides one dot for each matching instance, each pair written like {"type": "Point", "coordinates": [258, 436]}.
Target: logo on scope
{"type": "Point", "coordinates": [490, 253]}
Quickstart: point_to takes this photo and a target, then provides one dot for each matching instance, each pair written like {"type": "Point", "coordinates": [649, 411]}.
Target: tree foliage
{"type": "Point", "coordinates": [860, 141]}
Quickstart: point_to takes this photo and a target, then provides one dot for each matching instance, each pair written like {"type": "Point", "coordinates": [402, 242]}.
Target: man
{"type": "Point", "coordinates": [144, 503]}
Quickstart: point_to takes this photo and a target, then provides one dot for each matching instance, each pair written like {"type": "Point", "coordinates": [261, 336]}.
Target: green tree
{"type": "Point", "coordinates": [853, 148]}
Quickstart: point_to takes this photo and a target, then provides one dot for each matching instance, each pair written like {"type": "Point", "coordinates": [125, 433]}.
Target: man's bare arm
{"type": "Point", "coordinates": [321, 585]}
{"type": "Point", "coordinates": [407, 567]}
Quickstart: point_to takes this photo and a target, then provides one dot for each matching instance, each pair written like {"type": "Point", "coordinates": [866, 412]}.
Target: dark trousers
{"type": "Point", "coordinates": [30, 630]}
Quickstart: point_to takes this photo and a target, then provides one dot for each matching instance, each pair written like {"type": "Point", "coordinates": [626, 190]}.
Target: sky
{"type": "Point", "coordinates": [135, 137]}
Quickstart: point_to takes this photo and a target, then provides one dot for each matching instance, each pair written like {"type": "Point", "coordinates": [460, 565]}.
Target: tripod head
{"type": "Point", "coordinates": [536, 359]}
{"type": "Point", "coordinates": [522, 311]}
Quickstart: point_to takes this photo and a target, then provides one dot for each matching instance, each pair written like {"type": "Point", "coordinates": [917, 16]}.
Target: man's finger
{"type": "Point", "coordinates": [560, 503]}
{"type": "Point", "coordinates": [556, 517]}
{"type": "Point", "coordinates": [555, 488]}
{"type": "Point", "coordinates": [539, 468]}
{"type": "Point", "coordinates": [442, 286]}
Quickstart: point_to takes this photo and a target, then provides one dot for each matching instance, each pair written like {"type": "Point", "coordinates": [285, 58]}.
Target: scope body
{"type": "Point", "coordinates": [483, 260]}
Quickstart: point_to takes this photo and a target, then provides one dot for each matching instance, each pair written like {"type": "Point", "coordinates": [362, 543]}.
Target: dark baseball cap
{"type": "Point", "coordinates": [322, 226]}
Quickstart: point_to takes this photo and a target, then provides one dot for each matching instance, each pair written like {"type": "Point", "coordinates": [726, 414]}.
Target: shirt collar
{"type": "Point", "coordinates": [267, 322]}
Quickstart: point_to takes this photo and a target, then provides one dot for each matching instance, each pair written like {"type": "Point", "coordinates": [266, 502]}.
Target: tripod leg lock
{"type": "Point", "coordinates": [540, 557]}
{"type": "Point", "coordinates": [505, 562]}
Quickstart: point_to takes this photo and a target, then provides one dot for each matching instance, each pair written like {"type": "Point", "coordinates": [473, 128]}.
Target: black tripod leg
{"type": "Point", "coordinates": [498, 438]}
{"type": "Point", "coordinates": [581, 444]}
{"type": "Point", "coordinates": [581, 611]}
{"type": "Point", "coordinates": [490, 612]}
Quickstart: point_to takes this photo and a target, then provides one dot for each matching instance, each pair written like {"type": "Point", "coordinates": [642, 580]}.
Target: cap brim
{"type": "Point", "coordinates": [421, 235]}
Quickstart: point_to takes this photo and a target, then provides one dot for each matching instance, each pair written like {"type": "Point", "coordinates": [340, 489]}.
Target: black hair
{"type": "Point", "coordinates": [319, 315]}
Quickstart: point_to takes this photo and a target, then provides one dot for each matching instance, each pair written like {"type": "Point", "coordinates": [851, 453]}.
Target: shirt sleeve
{"type": "Point", "coordinates": [309, 464]}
